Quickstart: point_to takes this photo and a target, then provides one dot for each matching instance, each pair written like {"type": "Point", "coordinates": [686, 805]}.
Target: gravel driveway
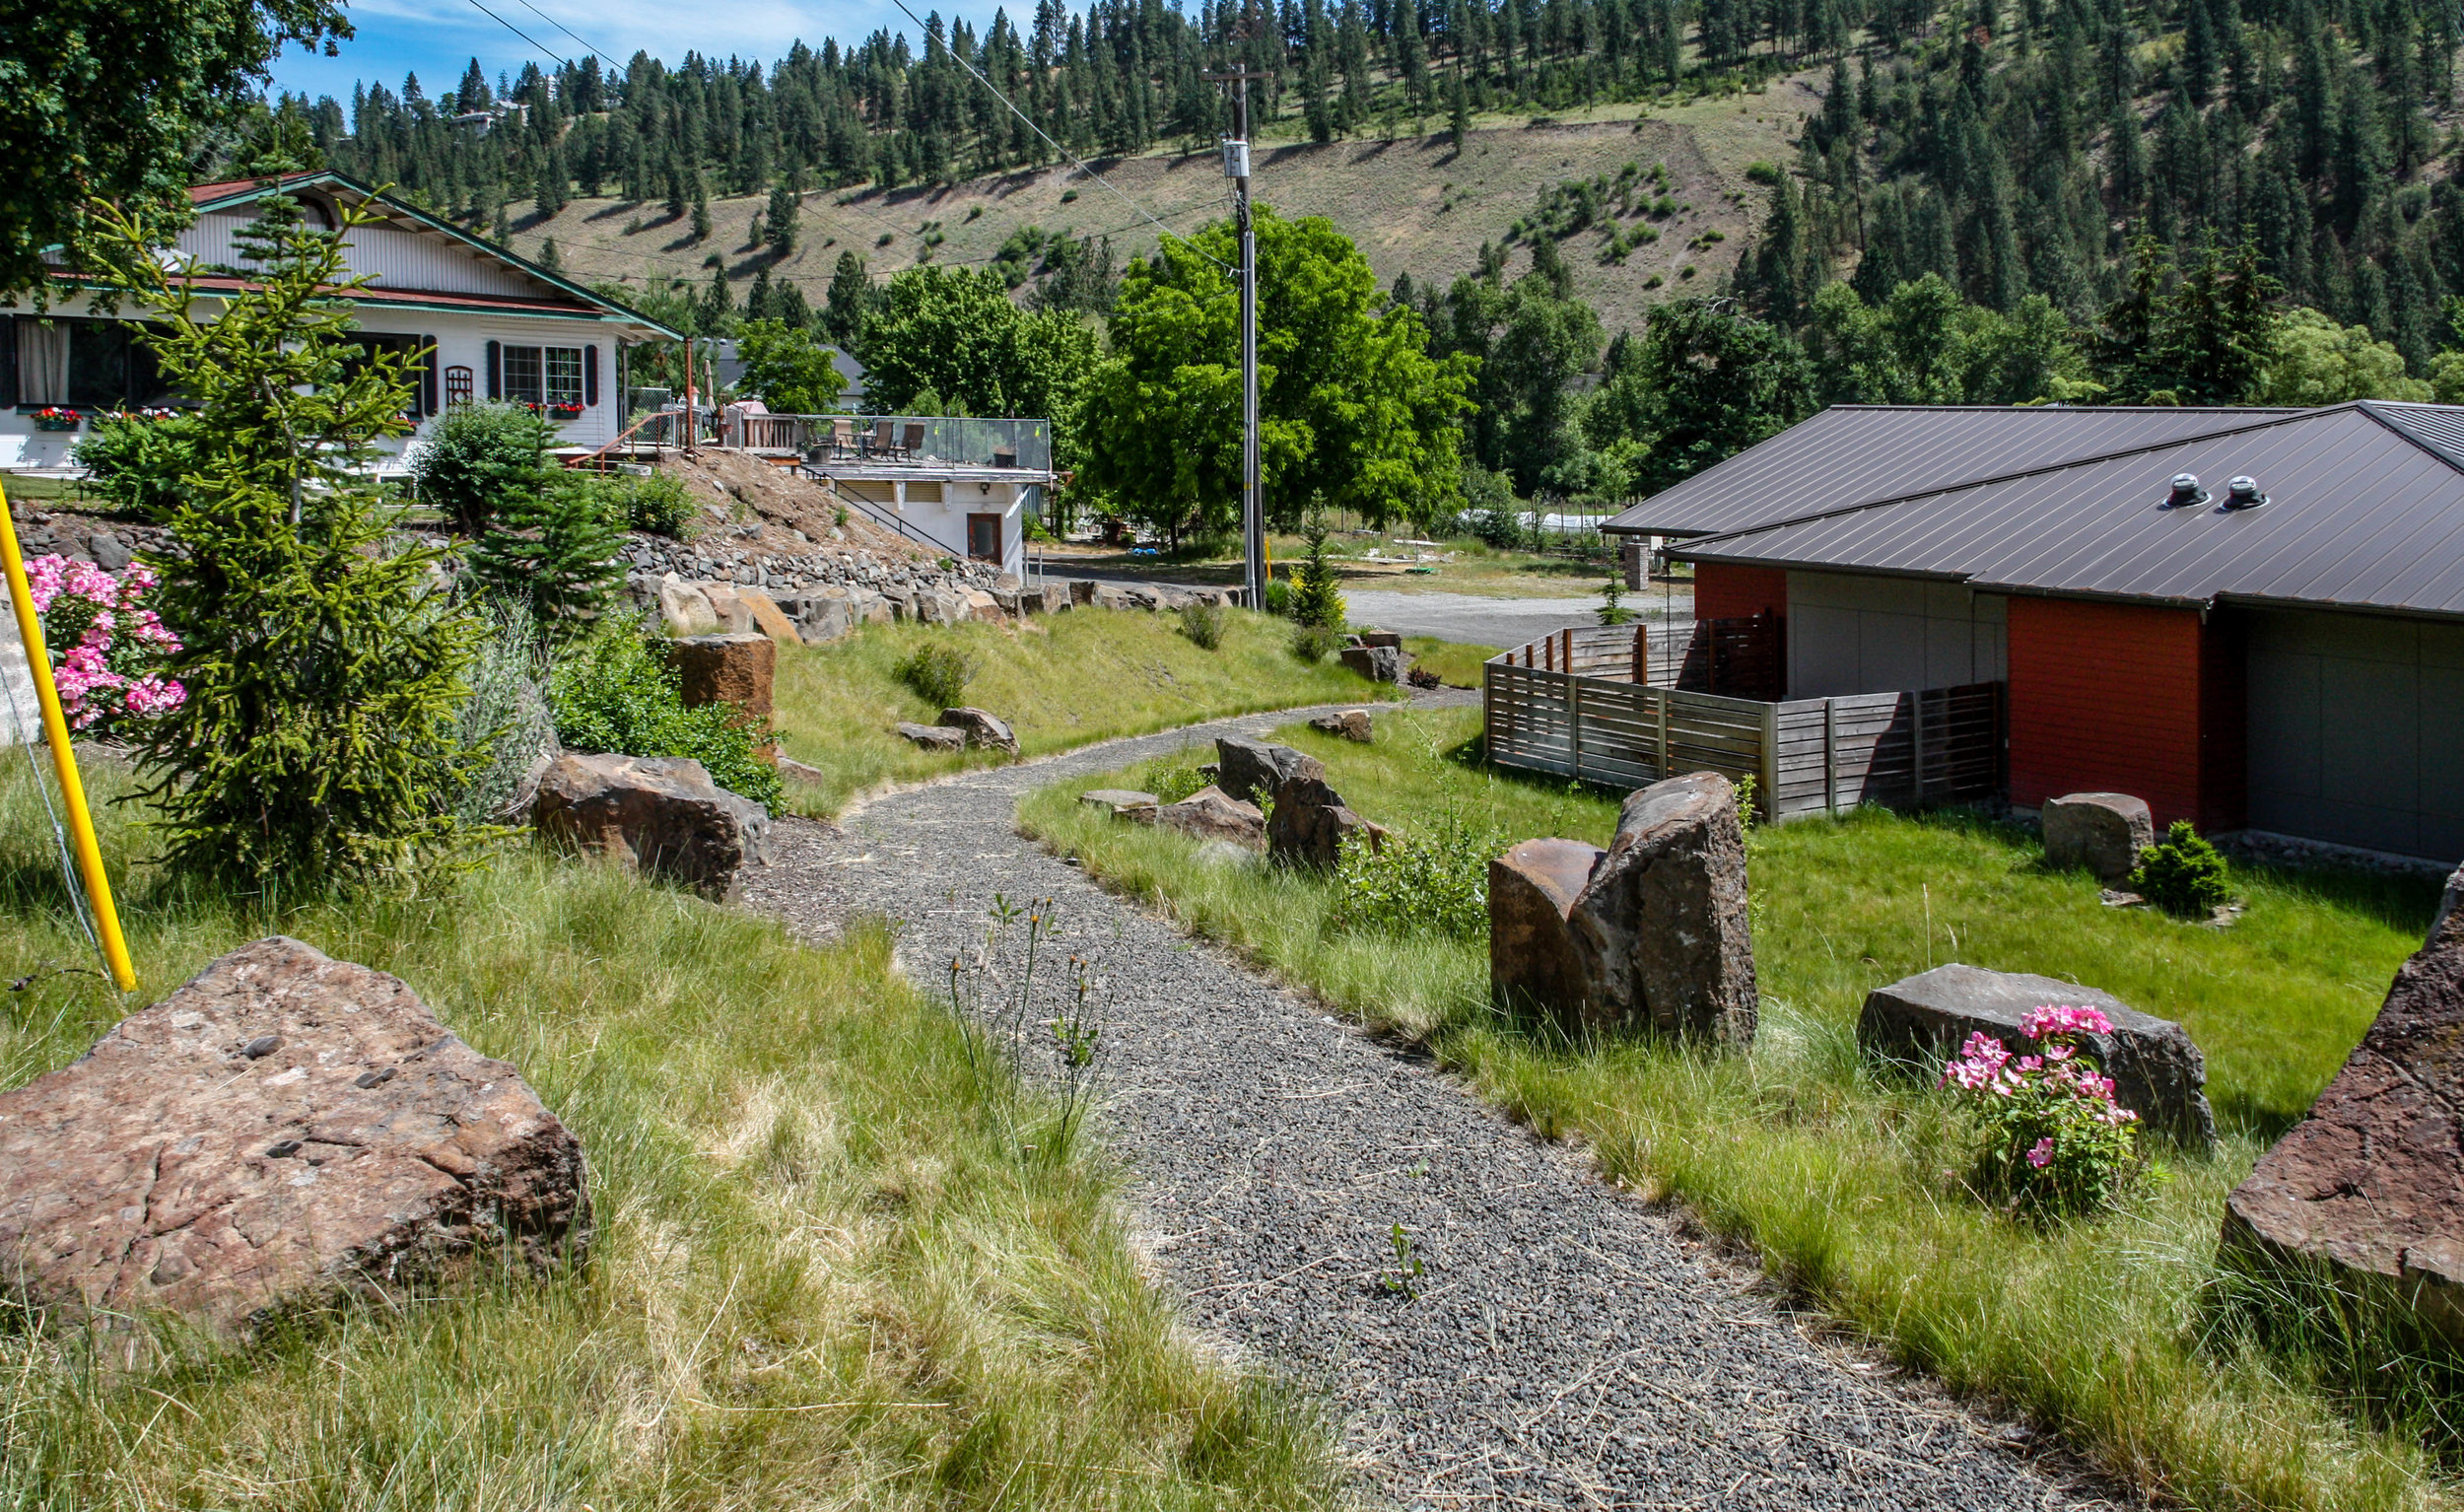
{"type": "Point", "coordinates": [1569, 1346]}
{"type": "Point", "coordinates": [1475, 620]}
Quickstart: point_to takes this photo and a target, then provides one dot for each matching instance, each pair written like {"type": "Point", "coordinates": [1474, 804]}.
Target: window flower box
{"type": "Point", "coordinates": [55, 418]}
{"type": "Point", "coordinates": [564, 411]}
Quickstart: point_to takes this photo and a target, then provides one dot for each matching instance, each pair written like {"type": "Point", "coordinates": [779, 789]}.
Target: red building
{"type": "Point", "coordinates": [2250, 618]}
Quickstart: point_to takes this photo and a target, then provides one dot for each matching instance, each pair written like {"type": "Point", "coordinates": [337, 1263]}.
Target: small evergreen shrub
{"type": "Point", "coordinates": [1202, 624]}
{"type": "Point", "coordinates": [1317, 600]}
{"type": "Point", "coordinates": [1279, 596]}
{"type": "Point", "coordinates": [1613, 609]}
{"type": "Point", "coordinates": [477, 459]}
{"type": "Point", "coordinates": [2182, 873]}
{"type": "Point", "coordinates": [614, 692]}
{"type": "Point", "coordinates": [940, 674]}
{"type": "Point", "coordinates": [136, 462]}
{"type": "Point", "coordinates": [1433, 880]}
{"type": "Point", "coordinates": [1313, 643]}
{"type": "Point", "coordinates": [550, 552]}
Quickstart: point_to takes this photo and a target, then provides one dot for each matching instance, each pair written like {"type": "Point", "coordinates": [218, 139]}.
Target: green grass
{"type": "Point", "coordinates": [1846, 1180]}
{"type": "Point", "coordinates": [1457, 662]}
{"type": "Point", "coordinates": [1063, 681]}
{"type": "Point", "coordinates": [829, 1270]}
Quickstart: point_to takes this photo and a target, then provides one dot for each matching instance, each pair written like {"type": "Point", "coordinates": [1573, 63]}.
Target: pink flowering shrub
{"type": "Point", "coordinates": [106, 648]}
{"type": "Point", "coordinates": [2055, 1143]}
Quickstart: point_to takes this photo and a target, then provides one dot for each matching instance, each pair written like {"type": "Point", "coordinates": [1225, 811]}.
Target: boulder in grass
{"type": "Point", "coordinates": [1378, 663]}
{"type": "Point", "coordinates": [1211, 814]}
{"type": "Point", "coordinates": [1125, 802]}
{"type": "Point", "coordinates": [1533, 960]}
{"type": "Point", "coordinates": [658, 814]}
{"type": "Point", "coordinates": [2157, 1072]}
{"type": "Point", "coordinates": [2102, 832]}
{"type": "Point", "coordinates": [1351, 725]}
{"type": "Point", "coordinates": [985, 730]}
{"type": "Point", "coordinates": [684, 608]}
{"type": "Point", "coordinates": [1248, 770]}
{"type": "Point", "coordinates": [1661, 926]}
{"type": "Point", "coordinates": [1311, 822]}
{"type": "Point", "coordinates": [2367, 1194]}
{"type": "Point", "coordinates": [932, 737]}
{"type": "Point", "coordinates": [1377, 638]}
{"type": "Point", "coordinates": [283, 1132]}
{"type": "Point", "coordinates": [738, 668]}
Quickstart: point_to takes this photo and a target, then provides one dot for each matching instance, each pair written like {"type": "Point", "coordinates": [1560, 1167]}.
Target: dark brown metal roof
{"type": "Point", "coordinates": [1858, 454]}
{"type": "Point", "coordinates": [2365, 511]}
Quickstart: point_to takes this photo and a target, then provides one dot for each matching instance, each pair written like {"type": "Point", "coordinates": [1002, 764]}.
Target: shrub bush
{"type": "Point", "coordinates": [551, 553]}
{"type": "Point", "coordinates": [658, 503]}
{"type": "Point", "coordinates": [1434, 881]}
{"type": "Point", "coordinates": [2055, 1143]}
{"type": "Point", "coordinates": [106, 648]}
{"type": "Point", "coordinates": [506, 717]}
{"type": "Point", "coordinates": [1313, 643]}
{"type": "Point", "coordinates": [479, 458]}
{"type": "Point", "coordinates": [1202, 624]}
{"type": "Point", "coordinates": [1279, 596]}
{"type": "Point", "coordinates": [940, 674]}
{"type": "Point", "coordinates": [615, 692]}
{"type": "Point", "coordinates": [2181, 874]}
{"type": "Point", "coordinates": [136, 462]}
{"type": "Point", "coordinates": [1177, 781]}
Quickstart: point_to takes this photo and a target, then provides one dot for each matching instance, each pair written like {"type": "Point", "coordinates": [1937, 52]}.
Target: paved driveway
{"type": "Point", "coordinates": [1478, 621]}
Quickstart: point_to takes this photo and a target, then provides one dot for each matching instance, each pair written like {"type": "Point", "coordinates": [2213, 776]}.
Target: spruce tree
{"type": "Point", "coordinates": [779, 226]}
{"type": "Point", "coordinates": [551, 551]}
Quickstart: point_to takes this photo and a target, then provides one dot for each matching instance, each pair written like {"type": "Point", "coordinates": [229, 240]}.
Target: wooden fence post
{"type": "Point", "coordinates": [1574, 718]}
{"type": "Point", "coordinates": [1771, 761]}
{"type": "Point", "coordinates": [1667, 767]}
{"type": "Point", "coordinates": [1642, 654]}
{"type": "Point", "coordinates": [1830, 757]}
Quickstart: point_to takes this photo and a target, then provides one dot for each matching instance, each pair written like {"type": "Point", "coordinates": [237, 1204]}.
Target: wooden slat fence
{"type": "Point", "coordinates": [1573, 703]}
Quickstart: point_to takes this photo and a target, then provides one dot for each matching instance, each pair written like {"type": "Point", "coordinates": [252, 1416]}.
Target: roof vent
{"type": "Point", "coordinates": [2186, 491]}
{"type": "Point", "coordinates": [2243, 493]}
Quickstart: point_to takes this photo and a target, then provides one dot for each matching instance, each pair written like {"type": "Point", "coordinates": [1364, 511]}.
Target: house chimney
{"type": "Point", "coordinates": [2186, 491]}
{"type": "Point", "coordinates": [2243, 493]}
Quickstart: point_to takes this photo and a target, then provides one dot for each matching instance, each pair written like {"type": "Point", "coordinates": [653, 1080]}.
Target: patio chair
{"type": "Point", "coordinates": [913, 444]}
{"type": "Point", "coordinates": [841, 437]}
{"type": "Point", "coordinates": [878, 444]}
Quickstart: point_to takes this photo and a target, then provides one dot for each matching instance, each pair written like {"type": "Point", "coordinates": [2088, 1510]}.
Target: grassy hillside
{"type": "Point", "coordinates": [1415, 205]}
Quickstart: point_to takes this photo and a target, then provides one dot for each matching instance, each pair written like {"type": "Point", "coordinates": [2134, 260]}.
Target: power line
{"type": "Point", "coordinates": [1075, 160]}
{"type": "Point", "coordinates": [518, 32]}
{"type": "Point", "coordinates": [569, 32]}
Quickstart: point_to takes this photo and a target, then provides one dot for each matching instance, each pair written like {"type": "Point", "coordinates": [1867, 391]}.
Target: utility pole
{"type": "Point", "coordinates": [1236, 169]}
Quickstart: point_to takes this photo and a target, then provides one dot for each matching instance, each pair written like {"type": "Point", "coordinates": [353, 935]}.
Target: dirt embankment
{"type": "Point", "coordinates": [737, 490]}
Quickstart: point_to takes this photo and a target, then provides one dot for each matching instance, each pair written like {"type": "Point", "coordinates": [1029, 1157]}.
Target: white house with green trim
{"type": "Point", "coordinates": [481, 322]}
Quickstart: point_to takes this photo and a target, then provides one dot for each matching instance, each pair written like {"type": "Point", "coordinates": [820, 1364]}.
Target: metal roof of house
{"type": "Point", "coordinates": [1856, 454]}
{"type": "Point", "coordinates": [2365, 511]}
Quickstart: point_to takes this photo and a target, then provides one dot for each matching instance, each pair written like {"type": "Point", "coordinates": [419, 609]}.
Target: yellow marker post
{"type": "Point", "coordinates": [106, 919]}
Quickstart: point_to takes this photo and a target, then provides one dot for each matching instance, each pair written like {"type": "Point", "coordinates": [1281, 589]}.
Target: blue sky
{"type": "Point", "coordinates": [438, 38]}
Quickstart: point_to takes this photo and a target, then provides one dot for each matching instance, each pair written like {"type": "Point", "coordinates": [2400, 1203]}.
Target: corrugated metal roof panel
{"type": "Point", "coordinates": [2363, 513]}
{"type": "Point", "coordinates": [1854, 454]}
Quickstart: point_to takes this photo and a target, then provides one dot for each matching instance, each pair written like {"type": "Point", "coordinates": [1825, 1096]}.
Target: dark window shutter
{"type": "Point", "coordinates": [590, 375]}
{"type": "Point", "coordinates": [8, 358]}
{"type": "Point", "coordinates": [496, 371]}
{"type": "Point", "coordinates": [427, 378]}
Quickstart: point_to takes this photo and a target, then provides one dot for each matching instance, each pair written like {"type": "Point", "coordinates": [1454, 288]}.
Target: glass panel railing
{"type": "Point", "coordinates": [949, 439]}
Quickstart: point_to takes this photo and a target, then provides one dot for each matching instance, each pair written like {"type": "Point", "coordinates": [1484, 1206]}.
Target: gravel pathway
{"type": "Point", "coordinates": [1569, 1346]}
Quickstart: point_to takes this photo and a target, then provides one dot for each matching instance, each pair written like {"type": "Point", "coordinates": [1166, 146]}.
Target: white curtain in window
{"type": "Point", "coordinates": [42, 362]}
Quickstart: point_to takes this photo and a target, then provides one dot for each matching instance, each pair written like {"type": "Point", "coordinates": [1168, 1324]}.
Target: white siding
{"type": "Point", "coordinates": [1858, 633]}
{"type": "Point", "coordinates": [396, 258]}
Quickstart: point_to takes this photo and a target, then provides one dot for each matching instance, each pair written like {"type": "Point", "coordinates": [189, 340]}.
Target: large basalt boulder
{"type": "Point", "coordinates": [684, 608]}
{"type": "Point", "coordinates": [2368, 1192]}
{"type": "Point", "coordinates": [2157, 1072]}
{"type": "Point", "coordinates": [1378, 663]}
{"type": "Point", "coordinates": [1662, 925]}
{"type": "Point", "coordinates": [1211, 814]}
{"type": "Point", "coordinates": [659, 814]}
{"type": "Point", "coordinates": [1533, 960]}
{"type": "Point", "coordinates": [1310, 822]}
{"type": "Point", "coordinates": [932, 737]}
{"type": "Point", "coordinates": [2103, 832]}
{"type": "Point", "coordinates": [985, 730]}
{"type": "Point", "coordinates": [1248, 770]}
{"type": "Point", "coordinates": [283, 1130]}
{"type": "Point", "coordinates": [739, 667]}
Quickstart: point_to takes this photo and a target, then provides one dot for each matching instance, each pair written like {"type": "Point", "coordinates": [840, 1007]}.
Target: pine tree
{"type": "Point", "coordinates": [701, 210]}
{"type": "Point", "coordinates": [849, 300]}
{"type": "Point", "coordinates": [1316, 596]}
{"type": "Point", "coordinates": [778, 226]}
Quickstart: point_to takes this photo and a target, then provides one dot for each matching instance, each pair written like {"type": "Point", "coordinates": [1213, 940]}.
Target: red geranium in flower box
{"type": "Point", "coordinates": [54, 417]}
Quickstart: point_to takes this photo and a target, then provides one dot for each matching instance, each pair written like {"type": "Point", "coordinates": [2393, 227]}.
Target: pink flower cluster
{"type": "Point", "coordinates": [100, 673]}
{"type": "Point", "coordinates": [1984, 1065]}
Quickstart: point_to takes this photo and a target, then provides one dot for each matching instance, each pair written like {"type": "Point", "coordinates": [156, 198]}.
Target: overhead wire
{"type": "Point", "coordinates": [1073, 159]}
{"type": "Point", "coordinates": [518, 32]}
{"type": "Point", "coordinates": [576, 35]}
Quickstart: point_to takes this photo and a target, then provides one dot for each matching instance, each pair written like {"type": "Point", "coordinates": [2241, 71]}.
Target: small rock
{"type": "Point", "coordinates": [985, 730]}
{"type": "Point", "coordinates": [932, 737]}
{"type": "Point", "coordinates": [1351, 725]}
{"type": "Point", "coordinates": [684, 608]}
{"type": "Point", "coordinates": [1311, 822]}
{"type": "Point", "coordinates": [660, 813]}
{"type": "Point", "coordinates": [1117, 800]}
{"type": "Point", "coordinates": [1376, 638]}
{"type": "Point", "coordinates": [262, 1045]}
{"type": "Point", "coordinates": [108, 551]}
{"type": "Point", "coordinates": [2157, 1072]}
{"type": "Point", "coordinates": [1212, 815]}
{"type": "Point", "coordinates": [2102, 832]}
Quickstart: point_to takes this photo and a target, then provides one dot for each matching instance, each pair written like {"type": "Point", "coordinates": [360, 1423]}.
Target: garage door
{"type": "Point", "coordinates": [2356, 731]}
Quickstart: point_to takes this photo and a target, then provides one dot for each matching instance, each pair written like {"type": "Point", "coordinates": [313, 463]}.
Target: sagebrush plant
{"type": "Point", "coordinates": [2182, 873]}
{"type": "Point", "coordinates": [1202, 624]}
{"type": "Point", "coordinates": [506, 716]}
{"type": "Point", "coordinates": [108, 648]}
{"type": "Point", "coordinates": [316, 743]}
{"type": "Point", "coordinates": [939, 672]}
{"type": "Point", "coordinates": [2055, 1143]}
{"type": "Point", "coordinates": [477, 459]}
{"type": "Point", "coordinates": [136, 462]}
{"type": "Point", "coordinates": [615, 692]}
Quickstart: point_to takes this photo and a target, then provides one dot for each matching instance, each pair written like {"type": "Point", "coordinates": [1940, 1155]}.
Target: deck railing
{"type": "Point", "coordinates": [1607, 706]}
{"type": "Point", "coordinates": [948, 439]}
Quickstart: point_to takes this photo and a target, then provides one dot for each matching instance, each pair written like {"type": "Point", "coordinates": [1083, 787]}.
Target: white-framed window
{"type": "Point", "coordinates": [545, 378]}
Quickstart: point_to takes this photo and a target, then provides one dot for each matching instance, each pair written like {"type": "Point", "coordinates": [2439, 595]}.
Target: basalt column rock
{"type": "Point", "coordinates": [662, 814]}
{"type": "Point", "coordinates": [1248, 770]}
{"type": "Point", "coordinates": [1661, 926]}
{"type": "Point", "coordinates": [2368, 1192]}
{"type": "Point", "coordinates": [282, 1131]}
{"type": "Point", "coordinates": [1310, 821]}
{"type": "Point", "coordinates": [735, 668]}
{"type": "Point", "coordinates": [2105, 832]}
{"type": "Point", "coordinates": [985, 730]}
{"type": "Point", "coordinates": [1532, 958]}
